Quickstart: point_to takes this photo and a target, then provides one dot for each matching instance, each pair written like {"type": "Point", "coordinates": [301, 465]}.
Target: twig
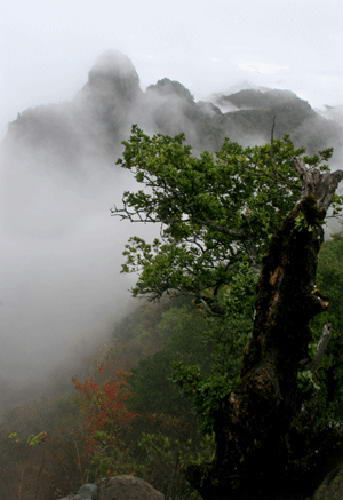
{"type": "Point", "coordinates": [322, 345]}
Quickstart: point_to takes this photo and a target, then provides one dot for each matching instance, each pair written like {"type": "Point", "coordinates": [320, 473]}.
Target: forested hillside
{"type": "Point", "coordinates": [164, 396]}
{"type": "Point", "coordinates": [157, 432]}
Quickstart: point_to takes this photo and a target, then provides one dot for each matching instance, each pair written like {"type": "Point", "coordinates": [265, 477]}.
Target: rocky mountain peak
{"type": "Point", "coordinates": [171, 88]}
{"type": "Point", "coordinates": [113, 73]}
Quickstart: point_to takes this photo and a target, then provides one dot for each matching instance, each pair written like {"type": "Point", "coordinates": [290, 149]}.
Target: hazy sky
{"type": "Point", "coordinates": [47, 47]}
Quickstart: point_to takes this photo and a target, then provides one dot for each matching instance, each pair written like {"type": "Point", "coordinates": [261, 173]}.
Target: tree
{"type": "Point", "coordinates": [226, 216]}
{"type": "Point", "coordinates": [106, 420]}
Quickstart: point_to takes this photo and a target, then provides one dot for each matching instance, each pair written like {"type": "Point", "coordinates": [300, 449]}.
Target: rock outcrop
{"type": "Point", "coordinates": [125, 487]}
{"type": "Point", "coordinates": [87, 491]}
{"type": "Point", "coordinates": [113, 72]}
{"type": "Point", "coordinates": [98, 119]}
{"type": "Point", "coordinates": [332, 486]}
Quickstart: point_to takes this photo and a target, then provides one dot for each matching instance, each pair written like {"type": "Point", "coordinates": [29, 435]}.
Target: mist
{"type": "Point", "coordinates": [61, 290]}
{"type": "Point", "coordinates": [60, 263]}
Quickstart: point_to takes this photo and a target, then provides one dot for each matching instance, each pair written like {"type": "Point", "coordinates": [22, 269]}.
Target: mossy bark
{"type": "Point", "coordinates": [253, 437]}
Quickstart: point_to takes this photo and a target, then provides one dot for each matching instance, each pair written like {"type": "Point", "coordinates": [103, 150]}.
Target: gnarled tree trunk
{"type": "Point", "coordinates": [253, 443]}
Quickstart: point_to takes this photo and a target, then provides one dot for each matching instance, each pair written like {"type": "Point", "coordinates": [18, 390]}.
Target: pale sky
{"type": "Point", "coordinates": [47, 47]}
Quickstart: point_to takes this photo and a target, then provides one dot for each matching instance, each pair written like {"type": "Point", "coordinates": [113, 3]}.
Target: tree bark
{"type": "Point", "coordinates": [254, 455]}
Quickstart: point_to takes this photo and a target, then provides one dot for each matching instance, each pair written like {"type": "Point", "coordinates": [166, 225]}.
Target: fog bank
{"type": "Point", "coordinates": [61, 290]}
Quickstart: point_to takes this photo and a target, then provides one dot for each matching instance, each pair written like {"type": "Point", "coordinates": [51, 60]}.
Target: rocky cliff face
{"type": "Point", "coordinates": [113, 73]}
{"type": "Point", "coordinates": [98, 118]}
{"type": "Point", "coordinates": [125, 487]}
{"type": "Point", "coordinates": [95, 122]}
{"type": "Point", "coordinates": [108, 104]}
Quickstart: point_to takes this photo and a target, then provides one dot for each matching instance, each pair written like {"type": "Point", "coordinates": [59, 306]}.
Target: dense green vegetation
{"type": "Point", "coordinates": [223, 217]}
{"type": "Point", "coordinates": [166, 436]}
{"type": "Point", "coordinates": [147, 403]}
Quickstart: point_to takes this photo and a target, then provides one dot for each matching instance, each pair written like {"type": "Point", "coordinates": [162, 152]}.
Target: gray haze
{"type": "Point", "coordinates": [47, 48]}
{"type": "Point", "coordinates": [60, 287]}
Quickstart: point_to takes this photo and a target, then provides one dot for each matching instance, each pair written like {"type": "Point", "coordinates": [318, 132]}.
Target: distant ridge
{"type": "Point", "coordinates": [95, 122]}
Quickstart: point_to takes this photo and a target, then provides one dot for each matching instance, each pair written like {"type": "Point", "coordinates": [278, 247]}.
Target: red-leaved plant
{"type": "Point", "coordinates": [106, 420]}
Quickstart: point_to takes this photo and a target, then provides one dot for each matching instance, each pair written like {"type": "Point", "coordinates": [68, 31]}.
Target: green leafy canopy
{"type": "Point", "coordinates": [215, 211]}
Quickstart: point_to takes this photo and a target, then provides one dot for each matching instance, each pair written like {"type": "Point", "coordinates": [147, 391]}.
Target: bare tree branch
{"type": "Point", "coordinates": [316, 184]}
{"type": "Point", "coordinates": [322, 345]}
